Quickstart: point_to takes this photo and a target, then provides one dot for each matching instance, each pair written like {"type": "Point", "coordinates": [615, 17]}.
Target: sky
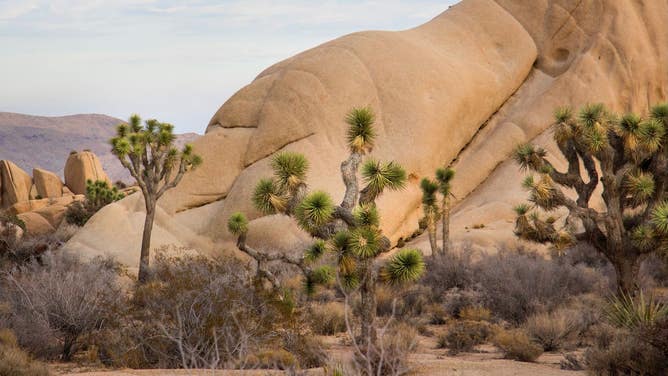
{"type": "Point", "coordinates": [176, 61]}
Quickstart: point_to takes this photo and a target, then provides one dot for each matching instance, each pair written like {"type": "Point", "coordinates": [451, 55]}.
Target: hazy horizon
{"type": "Point", "coordinates": [176, 61]}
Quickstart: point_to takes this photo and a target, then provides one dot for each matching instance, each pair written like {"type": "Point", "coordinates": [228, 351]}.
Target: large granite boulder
{"type": "Point", "coordinates": [464, 88]}
{"type": "Point", "coordinates": [15, 185]}
{"type": "Point", "coordinates": [47, 183]}
{"type": "Point", "coordinates": [80, 167]}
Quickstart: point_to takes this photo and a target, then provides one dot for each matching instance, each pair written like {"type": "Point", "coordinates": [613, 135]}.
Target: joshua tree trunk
{"type": "Point", "coordinates": [627, 269]}
{"type": "Point", "coordinates": [368, 306]}
{"type": "Point", "coordinates": [146, 241]}
{"type": "Point", "coordinates": [431, 231]}
{"type": "Point", "coordinates": [446, 225]}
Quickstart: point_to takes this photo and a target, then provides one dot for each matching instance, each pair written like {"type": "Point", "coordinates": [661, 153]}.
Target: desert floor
{"type": "Point", "coordinates": [427, 360]}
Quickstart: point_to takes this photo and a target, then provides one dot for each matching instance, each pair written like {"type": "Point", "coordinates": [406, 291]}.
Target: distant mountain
{"type": "Point", "coordinates": [45, 142]}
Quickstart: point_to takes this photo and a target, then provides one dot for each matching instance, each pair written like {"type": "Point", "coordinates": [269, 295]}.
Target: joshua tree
{"type": "Point", "coordinates": [431, 211]}
{"type": "Point", "coordinates": [350, 230]}
{"type": "Point", "coordinates": [149, 154]}
{"type": "Point", "coordinates": [632, 154]}
{"type": "Point", "coordinates": [431, 208]}
{"type": "Point", "coordinates": [98, 195]}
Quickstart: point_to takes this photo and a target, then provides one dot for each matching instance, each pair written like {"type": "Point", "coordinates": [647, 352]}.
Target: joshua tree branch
{"type": "Point", "coordinates": [349, 174]}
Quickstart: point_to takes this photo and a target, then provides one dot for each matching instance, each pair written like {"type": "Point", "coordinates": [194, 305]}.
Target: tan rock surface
{"type": "Point", "coordinates": [47, 183]}
{"type": "Point", "coordinates": [467, 87]}
{"type": "Point", "coordinates": [80, 167]}
{"type": "Point", "coordinates": [36, 224]}
{"type": "Point", "coordinates": [16, 184]}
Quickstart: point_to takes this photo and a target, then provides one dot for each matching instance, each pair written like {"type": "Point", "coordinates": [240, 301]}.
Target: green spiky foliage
{"type": "Point", "coordinates": [361, 135]}
{"type": "Point", "coordinates": [347, 236]}
{"type": "Point", "coordinates": [405, 266]}
{"type": "Point", "coordinates": [237, 224]}
{"type": "Point", "coordinates": [631, 153]}
{"type": "Point", "coordinates": [435, 210]}
{"type": "Point", "coordinates": [99, 194]}
{"type": "Point", "coordinates": [635, 312]}
{"type": "Point", "coordinates": [149, 153]}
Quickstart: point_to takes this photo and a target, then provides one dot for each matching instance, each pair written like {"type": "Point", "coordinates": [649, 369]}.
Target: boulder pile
{"type": "Point", "coordinates": [40, 201]}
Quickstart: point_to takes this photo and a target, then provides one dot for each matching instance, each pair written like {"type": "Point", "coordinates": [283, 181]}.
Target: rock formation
{"type": "Point", "coordinates": [42, 205]}
{"type": "Point", "coordinates": [47, 183]}
{"type": "Point", "coordinates": [16, 184]}
{"type": "Point", "coordinates": [81, 167]}
{"type": "Point", "coordinates": [464, 88]}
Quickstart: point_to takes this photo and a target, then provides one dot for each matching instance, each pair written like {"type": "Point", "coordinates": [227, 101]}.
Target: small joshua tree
{"type": "Point", "coordinates": [433, 213]}
{"type": "Point", "coordinates": [632, 154]}
{"type": "Point", "coordinates": [98, 195]}
{"type": "Point", "coordinates": [349, 231]}
{"type": "Point", "coordinates": [149, 154]}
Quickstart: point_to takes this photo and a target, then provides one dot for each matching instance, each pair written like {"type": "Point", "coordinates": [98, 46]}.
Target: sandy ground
{"type": "Point", "coordinates": [427, 360]}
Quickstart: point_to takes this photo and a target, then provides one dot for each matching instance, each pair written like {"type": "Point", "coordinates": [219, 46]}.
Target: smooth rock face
{"type": "Point", "coordinates": [16, 184]}
{"type": "Point", "coordinates": [465, 88]}
{"type": "Point", "coordinates": [36, 224]}
{"type": "Point", "coordinates": [47, 183]}
{"type": "Point", "coordinates": [81, 167]}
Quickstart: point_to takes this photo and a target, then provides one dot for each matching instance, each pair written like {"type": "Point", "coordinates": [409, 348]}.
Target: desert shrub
{"type": "Point", "coordinates": [448, 271]}
{"type": "Point", "coordinates": [514, 286]}
{"type": "Point", "coordinates": [455, 300]}
{"type": "Point", "coordinates": [437, 314]}
{"type": "Point", "coordinates": [16, 362]}
{"type": "Point", "coordinates": [77, 214]}
{"type": "Point", "coordinates": [475, 313]}
{"type": "Point", "coordinates": [625, 354]}
{"type": "Point", "coordinates": [408, 301]}
{"type": "Point", "coordinates": [19, 251]}
{"type": "Point", "coordinates": [395, 343]}
{"type": "Point", "coordinates": [464, 335]}
{"type": "Point", "coordinates": [516, 345]}
{"type": "Point", "coordinates": [327, 319]}
{"type": "Point", "coordinates": [657, 335]}
{"type": "Point", "coordinates": [270, 359]}
{"type": "Point", "coordinates": [198, 312]}
{"type": "Point", "coordinates": [572, 362]}
{"type": "Point", "coordinates": [98, 195]}
{"type": "Point", "coordinates": [58, 303]}
{"type": "Point", "coordinates": [550, 330]}
{"type": "Point", "coordinates": [654, 271]}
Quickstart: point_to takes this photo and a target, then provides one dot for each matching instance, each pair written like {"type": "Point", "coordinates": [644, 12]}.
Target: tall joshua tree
{"type": "Point", "coordinates": [349, 231]}
{"type": "Point", "coordinates": [148, 152]}
{"type": "Point", "coordinates": [632, 154]}
{"type": "Point", "coordinates": [433, 213]}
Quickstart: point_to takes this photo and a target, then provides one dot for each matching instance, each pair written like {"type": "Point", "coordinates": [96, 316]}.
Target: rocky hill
{"type": "Point", "coordinates": [464, 88]}
{"type": "Point", "coordinates": [45, 142]}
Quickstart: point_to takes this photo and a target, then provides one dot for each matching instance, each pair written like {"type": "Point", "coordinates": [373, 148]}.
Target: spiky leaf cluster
{"type": "Point", "coordinates": [314, 211]}
{"type": "Point", "coordinates": [274, 195]}
{"type": "Point", "coordinates": [405, 266]}
{"type": "Point", "coordinates": [379, 176]}
{"type": "Point", "coordinates": [237, 224]}
{"type": "Point", "coordinates": [149, 153]}
{"type": "Point", "coordinates": [361, 134]}
{"type": "Point", "coordinates": [99, 193]}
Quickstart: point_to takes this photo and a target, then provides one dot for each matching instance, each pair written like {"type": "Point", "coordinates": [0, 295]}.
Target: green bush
{"type": "Point", "coordinates": [98, 195]}
{"type": "Point", "coordinates": [516, 345]}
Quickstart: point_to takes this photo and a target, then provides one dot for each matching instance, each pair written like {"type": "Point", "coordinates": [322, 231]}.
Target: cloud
{"type": "Point", "coordinates": [174, 59]}
{"type": "Point", "coordinates": [10, 10]}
